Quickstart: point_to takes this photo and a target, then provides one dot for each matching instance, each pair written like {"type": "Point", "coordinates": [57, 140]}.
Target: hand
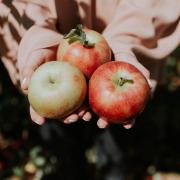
{"type": "Point", "coordinates": [34, 60]}
{"type": "Point", "coordinates": [103, 123]}
{"type": "Point", "coordinates": [82, 113]}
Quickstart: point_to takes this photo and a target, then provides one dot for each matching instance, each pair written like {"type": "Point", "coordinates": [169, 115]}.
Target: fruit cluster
{"type": "Point", "coordinates": [116, 90]}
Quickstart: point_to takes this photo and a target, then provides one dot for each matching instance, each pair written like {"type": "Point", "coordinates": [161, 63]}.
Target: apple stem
{"type": "Point", "coordinates": [121, 81]}
{"type": "Point", "coordinates": [78, 34]}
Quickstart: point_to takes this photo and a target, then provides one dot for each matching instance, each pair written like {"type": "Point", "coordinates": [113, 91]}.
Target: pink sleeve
{"type": "Point", "coordinates": [20, 19]}
{"type": "Point", "coordinates": [151, 28]}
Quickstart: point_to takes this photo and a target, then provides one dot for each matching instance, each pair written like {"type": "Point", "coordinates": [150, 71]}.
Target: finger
{"type": "Point", "coordinates": [71, 119]}
{"type": "Point", "coordinates": [129, 125]}
{"type": "Point", "coordinates": [35, 59]}
{"type": "Point", "coordinates": [81, 111]}
{"type": "Point", "coordinates": [37, 56]}
{"type": "Point", "coordinates": [36, 117]}
{"type": "Point", "coordinates": [152, 84]}
{"type": "Point", "coordinates": [102, 123]}
{"type": "Point", "coordinates": [24, 85]}
{"type": "Point", "coordinates": [87, 116]}
{"type": "Point", "coordinates": [32, 61]}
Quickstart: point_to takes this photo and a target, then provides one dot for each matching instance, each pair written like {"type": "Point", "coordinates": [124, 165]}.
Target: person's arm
{"type": "Point", "coordinates": [151, 28]}
{"type": "Point", "coordinates": [22, 21]}
{"type": "Point", "coordinates": [29, 38]}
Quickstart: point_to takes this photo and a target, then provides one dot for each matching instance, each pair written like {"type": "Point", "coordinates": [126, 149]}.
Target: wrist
{"type": "Point", "coordinates": [130, 58]}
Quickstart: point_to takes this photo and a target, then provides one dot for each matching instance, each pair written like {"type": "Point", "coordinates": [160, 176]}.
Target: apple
{"type": "Point", "coordinates": [118, 91]}
{"type": "Point", "coordinates": [56, 89]}
{"type": "Point", "coordinates": [85, 48]}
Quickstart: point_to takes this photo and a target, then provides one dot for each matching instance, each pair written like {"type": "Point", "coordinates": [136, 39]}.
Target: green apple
{"type": "Point", "coordinates": [56, 89]}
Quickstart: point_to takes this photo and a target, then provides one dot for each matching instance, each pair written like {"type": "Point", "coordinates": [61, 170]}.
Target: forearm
{"type": "Point", "coordinates": [144, 33]}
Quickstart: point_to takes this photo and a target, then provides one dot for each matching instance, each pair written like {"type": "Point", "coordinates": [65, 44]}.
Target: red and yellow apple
{"type": "Point", "coordinates": [85, 48]}
{"type": "Point", "coordinates": [56, 89]}
{"type": "Point", "coordinates": [118, 91]}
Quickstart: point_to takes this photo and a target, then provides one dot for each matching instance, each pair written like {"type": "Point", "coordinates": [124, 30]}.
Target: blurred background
{"type": "Point", "coordinates": [150, 150]}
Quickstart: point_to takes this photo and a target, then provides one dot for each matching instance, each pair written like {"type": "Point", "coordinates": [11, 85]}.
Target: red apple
{"type": "Point", "coordinates": [85, 48]}
{"type": "Point", "coordinates": [56, 89]}
{"type": "Point", "coordinates": [118, 91]}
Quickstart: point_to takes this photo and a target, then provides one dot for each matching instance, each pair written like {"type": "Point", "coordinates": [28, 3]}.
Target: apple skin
{"type": "Point", "coordinates": [87, 59]}
{"type": "Point", "coordinates": [56, 89]}
{"type": "Point", "coordinates": [110, 98]}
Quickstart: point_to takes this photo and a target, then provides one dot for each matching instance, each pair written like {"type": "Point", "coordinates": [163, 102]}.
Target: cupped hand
{"type": "Point", "coordinates": [82, 113]}
{"type": "Point", "coordinates": [34, 60]}
{"type": "Point", "coordinates": [130, 58]}
{"type": "Point", "coordinates": [103, 123]}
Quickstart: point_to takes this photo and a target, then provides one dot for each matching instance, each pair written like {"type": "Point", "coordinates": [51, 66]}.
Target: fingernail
{"type": "Point", "coordinates": [102, 123]}
{"type": "Point", "coordinates": [150, 83]}
{"type": "Point", "coordinates": [39, 122]}
{"type": "Point", "coordinates": [23, 84]}
{"type": "Point", "coordinates": [102, 126]}
{"type": "Point", "coordinates": [128, 126]}
{"type": "Point", "coordinates": [70, 120]}
{"type": "Point", "coordinates": [87, 116]}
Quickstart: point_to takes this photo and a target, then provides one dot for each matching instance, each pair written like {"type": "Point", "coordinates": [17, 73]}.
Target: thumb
{"type": "Point", "coordinates": [129, 124]}
{"type": "Point", "coordinates": [35, 117]}
{"type": "Point", "coordinates": [35, 59]}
